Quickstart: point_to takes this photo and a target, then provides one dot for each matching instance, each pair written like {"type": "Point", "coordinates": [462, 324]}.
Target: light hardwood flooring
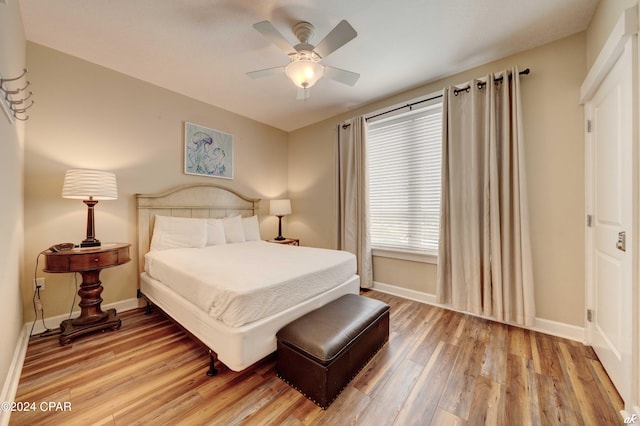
{"type": "Point", "coordinates": [438, 368]}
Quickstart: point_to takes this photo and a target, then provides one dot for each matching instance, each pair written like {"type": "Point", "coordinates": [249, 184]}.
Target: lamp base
{"type": "Point", "coordinates": [90, 243]}
{"type": "Point", "coordinates": [279, 237]}
{"type": "Point", "coordinates": [91, 240]}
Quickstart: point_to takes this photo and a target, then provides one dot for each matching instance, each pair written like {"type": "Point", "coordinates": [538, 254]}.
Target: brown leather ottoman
{"type": "Point", "coordinates": [320, 352]}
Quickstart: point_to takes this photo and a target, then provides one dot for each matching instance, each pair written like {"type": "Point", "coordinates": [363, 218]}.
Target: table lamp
{"type": "Point", "coordinates": [90, 186]}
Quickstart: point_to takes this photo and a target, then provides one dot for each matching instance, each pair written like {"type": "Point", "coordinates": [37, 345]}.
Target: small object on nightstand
{"type": "Point", "coordinates": [61, 247]}
{"type": "Point", "coordinates": [287, 241]}
{"type": "Point", "coordinates": [88, 262]}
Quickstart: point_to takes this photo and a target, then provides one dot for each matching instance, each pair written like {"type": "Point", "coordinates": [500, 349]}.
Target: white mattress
{"type": "Point", "coordinates": [244, 282]}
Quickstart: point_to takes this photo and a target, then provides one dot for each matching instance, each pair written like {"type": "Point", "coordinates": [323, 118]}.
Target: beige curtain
{"type": "Point", "coordinates": [353, 199]}
{"type": "Point", "coordinates": [484, 257]}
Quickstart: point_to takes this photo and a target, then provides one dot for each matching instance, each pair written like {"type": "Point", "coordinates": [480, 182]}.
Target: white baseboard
{"type": "Point", "coordinates": [15, 369]}
{"type": "Point", "coordinates": [13, 375]}
{"type": "Point", "coordinates": [560, 329]}
{"type": "Point", "coordinates": [567, 331]}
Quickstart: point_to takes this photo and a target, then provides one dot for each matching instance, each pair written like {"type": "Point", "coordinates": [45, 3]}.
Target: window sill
{"type": "Point", "coordinates": [406, 255]}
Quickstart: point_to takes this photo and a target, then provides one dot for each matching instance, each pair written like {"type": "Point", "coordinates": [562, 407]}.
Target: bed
{"type": "Point", "coordinates": [242, 339]}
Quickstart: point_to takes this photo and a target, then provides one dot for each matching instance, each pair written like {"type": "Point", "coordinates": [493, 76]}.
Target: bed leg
{"type": "Point", "coordinates": [212, 359]}
{"type": "Point", "coordinates": [147, 309]}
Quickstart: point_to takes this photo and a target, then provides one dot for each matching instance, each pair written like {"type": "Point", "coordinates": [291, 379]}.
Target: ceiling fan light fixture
{"type": "Point", "coordinates": [304, 70]}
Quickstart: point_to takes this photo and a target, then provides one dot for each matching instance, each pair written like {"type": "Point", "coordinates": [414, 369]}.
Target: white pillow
{"type": "Point", "coordinates": [178, 232]}
{"type": "Point", "coordinates": [233, 229]}
{"type": "Point", "coordinates": [251, 228]}
{"type": "Point", "coordinates": [215, 232]}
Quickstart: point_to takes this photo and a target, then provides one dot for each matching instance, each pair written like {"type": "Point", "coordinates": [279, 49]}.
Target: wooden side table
{"type": "Point", "coordinates": [88, 262]}
{"type": "Point", "coordinates": [288, 241]}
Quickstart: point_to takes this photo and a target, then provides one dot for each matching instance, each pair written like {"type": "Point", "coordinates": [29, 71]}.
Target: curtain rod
{"type": "Point", "coordinates": [523, 72]}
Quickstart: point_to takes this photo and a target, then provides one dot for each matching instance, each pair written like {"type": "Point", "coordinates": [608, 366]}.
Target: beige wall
{"type": "Point", "coordinates": [88, 116]}
{"type": "Point", "coordinates": [555, 173]}
{"type": "Point", "coordinates": [605, 17]}
{"type": "Point", "coordinates": [12, 61]}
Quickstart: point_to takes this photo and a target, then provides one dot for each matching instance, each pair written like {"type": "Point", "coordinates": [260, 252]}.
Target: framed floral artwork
{"type": "Point", "coordinates": [207, 152]}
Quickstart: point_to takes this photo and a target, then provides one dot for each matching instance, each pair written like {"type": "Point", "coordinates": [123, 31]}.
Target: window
{"type": "Point", "coordinates": [404, 153]}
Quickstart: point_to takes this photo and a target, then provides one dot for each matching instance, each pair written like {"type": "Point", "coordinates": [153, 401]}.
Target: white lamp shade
{"type": "Point", "coordinates": [304, 73]}
{"type": "Point", "coordinates": [279, 207]}
{"type": "Point", "coordinates": [83, 184]}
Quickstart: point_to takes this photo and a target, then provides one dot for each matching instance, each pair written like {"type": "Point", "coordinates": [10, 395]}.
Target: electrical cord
{"type": "Point", "coordinates": [37, 303]}
{"type": "Point", "coordinates": [75, 294]}
{"type": "Point", "coordinates": [37, 306]}
{"type": "Point", "coordinates": [35, 311]}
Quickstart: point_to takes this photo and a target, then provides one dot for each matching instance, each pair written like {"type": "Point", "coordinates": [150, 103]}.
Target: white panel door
{"type": "Point", "coordinates": [611, 198]}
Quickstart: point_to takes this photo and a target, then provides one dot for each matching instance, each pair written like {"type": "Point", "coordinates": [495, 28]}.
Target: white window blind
{"type": "Point", "coordinates": [404, 155]}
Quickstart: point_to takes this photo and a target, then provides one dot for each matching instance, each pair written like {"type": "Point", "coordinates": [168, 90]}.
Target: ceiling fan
{"type": "Point", "coordinates": [305, 68]}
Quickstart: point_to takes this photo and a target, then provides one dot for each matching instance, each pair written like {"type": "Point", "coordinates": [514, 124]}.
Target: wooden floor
{"type": "Point", "coordinates": [439, 368]}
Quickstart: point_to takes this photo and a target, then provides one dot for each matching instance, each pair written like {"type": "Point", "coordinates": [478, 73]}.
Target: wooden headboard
{"type": "Point", "coordinates": [195, 200]}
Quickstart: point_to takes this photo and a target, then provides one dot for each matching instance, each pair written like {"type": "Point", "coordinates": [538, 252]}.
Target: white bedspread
{"type": "Point", "coordinates": [243, 282]}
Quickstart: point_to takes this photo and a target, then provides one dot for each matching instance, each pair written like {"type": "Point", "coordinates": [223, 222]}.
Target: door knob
{"type": "Point", "coordinates": [622, 241]}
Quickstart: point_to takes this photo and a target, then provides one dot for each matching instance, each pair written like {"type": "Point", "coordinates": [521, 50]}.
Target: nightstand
{"type": "Point", "coordinates": [88, 262]}
{"type": "Point", "coordinates": [287, 241]}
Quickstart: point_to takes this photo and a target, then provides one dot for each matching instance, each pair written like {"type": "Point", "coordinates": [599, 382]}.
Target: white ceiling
{"type": "Point", "coordinates": [203, 48]}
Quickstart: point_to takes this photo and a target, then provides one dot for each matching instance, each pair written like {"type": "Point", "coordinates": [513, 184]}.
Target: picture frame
{"type": "Point", "coordinates": [207, 152]}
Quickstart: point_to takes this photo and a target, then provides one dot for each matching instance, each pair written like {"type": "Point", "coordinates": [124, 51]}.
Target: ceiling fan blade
{"type": "Point", "coordinates": [303, 94]}
{"type": "Point", "coordinates": [340, 35]}
{"type": "Point", "coordinates": [267, 29]}
{"type": "Point", "coordinates": [343, 76]}
{"type": "Point", "coordinates": [266, 72]}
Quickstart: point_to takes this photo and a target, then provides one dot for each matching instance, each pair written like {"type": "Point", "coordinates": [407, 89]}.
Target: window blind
{"type": "Point", "coordinates": [404, 154]}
